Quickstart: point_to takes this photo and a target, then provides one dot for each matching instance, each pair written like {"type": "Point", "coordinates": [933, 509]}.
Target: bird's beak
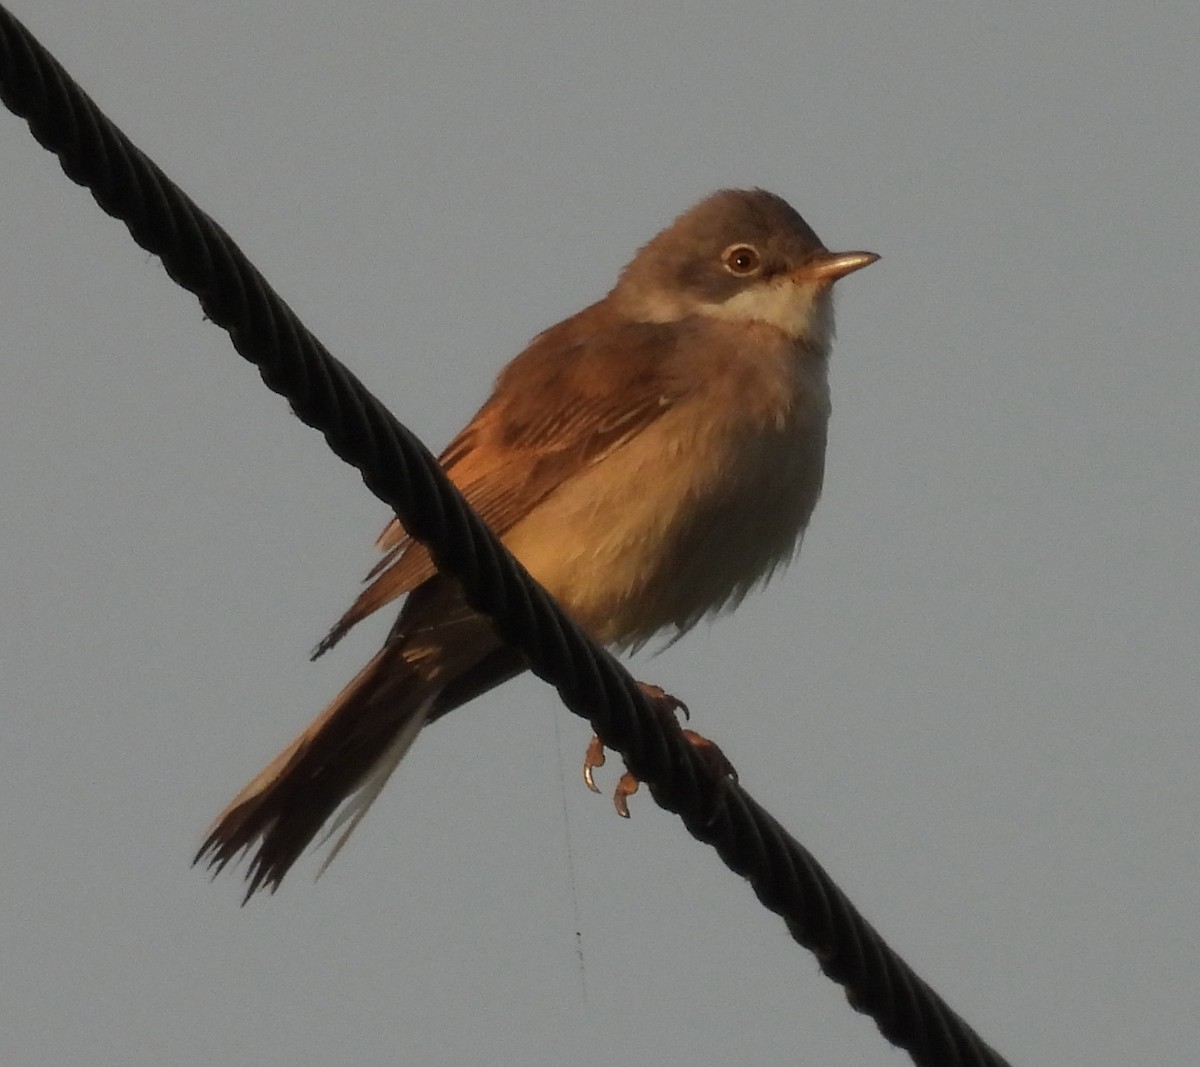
{"type": "Point", "coordinates": [830, 266]}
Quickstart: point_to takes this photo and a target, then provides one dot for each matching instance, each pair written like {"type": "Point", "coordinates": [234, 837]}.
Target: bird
{"type": "Point", "coordinates": [650, 460]}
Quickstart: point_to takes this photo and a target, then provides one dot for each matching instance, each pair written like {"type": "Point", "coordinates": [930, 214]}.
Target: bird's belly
{"type": "Point", "coordinates": [675, 525]}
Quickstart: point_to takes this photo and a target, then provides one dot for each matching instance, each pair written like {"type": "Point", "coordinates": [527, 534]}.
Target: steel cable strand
{"type": "Point", "coordinates": [202, 258]}
{"type": "Point", "coordinates": [789, 881]}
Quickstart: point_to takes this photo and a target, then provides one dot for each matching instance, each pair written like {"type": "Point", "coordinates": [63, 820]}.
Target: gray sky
{"type": "Point", "coordinates": [974, 696]}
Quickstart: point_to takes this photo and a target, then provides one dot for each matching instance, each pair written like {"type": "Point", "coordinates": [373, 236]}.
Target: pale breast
{"type": "Point", "coordinates": [692, 513]}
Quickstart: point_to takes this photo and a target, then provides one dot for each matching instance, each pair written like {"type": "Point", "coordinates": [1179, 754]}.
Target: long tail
{"type": "Point", "coordinates": [346, 755]}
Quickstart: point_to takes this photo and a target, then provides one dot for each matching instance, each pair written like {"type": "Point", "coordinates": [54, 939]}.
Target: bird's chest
{"type": "Point", "coordinates": [689, 514]}
{"type": "Point", "coordinates": [749, 504]}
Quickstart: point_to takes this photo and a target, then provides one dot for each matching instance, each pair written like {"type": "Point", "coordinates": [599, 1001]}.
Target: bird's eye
{"type": "Point", "coordinates": [740, 260]}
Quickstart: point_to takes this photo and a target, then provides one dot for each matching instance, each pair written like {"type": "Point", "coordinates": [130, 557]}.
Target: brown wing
{"type": "Point", "coordinates": [576, 394]}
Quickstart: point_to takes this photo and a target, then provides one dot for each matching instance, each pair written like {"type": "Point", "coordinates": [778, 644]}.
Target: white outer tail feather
{"type": "Point", "coordinates": [357, 805]}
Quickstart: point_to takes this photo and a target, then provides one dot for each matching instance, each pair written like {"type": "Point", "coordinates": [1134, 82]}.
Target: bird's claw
{"type": "Point", "coordinates": [626, 787]}
{"type": "Point", "coordinates": [594, 757]}
{"type": "Point", "coordinates": [665, 704]}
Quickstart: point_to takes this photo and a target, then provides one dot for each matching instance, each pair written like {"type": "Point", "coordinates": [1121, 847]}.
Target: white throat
{"type": "Point", "coordinates": [801, 312]}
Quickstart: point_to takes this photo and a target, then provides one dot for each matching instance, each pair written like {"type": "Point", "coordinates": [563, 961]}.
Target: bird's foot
{"type": "Point", "coordinates": [666, 706]}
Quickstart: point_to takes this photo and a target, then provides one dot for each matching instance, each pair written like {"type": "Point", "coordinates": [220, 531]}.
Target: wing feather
{"type": "Point", "coordinates": [613, 379]}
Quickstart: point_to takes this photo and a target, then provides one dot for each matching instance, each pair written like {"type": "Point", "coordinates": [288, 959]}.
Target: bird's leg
{"type": "Point", "coordinates": [666, 706]}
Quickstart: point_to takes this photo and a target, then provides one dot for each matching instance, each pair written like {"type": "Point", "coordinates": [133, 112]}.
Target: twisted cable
{"type": "Point", "coordinates": [397, 468]}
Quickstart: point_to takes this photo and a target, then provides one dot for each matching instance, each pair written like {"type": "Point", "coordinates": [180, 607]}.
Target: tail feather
{"type": "Point", "coordinates": [439, 654]}
{"type": "Point", "coordinates": [357, 806]}
{"type": "Point", "coordinates": [346, 755]}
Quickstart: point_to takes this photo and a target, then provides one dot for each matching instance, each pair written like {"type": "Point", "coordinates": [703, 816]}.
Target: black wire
{"type": "Point", "coordinates": [397, 468]}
